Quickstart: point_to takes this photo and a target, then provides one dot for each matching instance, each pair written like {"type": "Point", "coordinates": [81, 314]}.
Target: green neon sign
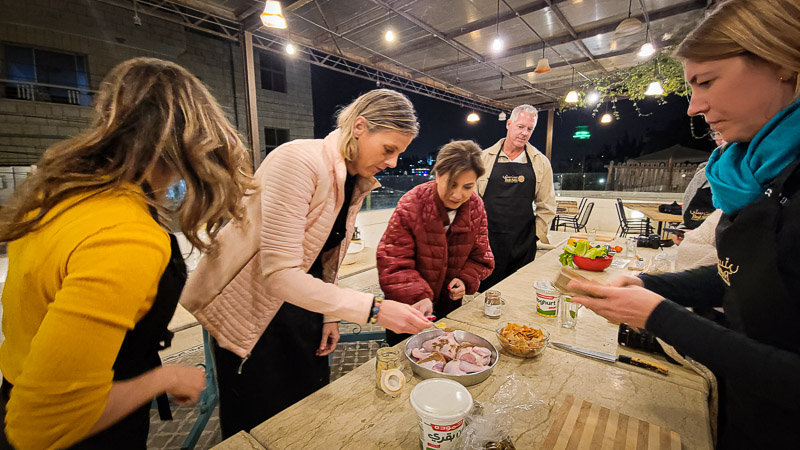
{"type": "Point", "coordinates": [582, 133]}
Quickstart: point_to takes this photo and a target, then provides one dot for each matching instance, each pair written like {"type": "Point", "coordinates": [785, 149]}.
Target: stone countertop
{"type": "Point", "coordinates": [592, 332]}
{"type": "Point", "coordinates": [352, 413]}
{"type": "Point", "coordinates": [239, 441]}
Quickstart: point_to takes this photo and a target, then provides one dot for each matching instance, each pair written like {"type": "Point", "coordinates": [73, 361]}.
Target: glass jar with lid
{"type": "Point", "coordinates": [493, 304]}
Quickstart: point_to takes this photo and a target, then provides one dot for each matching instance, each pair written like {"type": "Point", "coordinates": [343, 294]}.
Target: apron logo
{"type": "Point", "coordinates": [699, 215]}
{"type": "Point", "coordinates": [514, 179]}
{"type": "Point", "coordinates": [725, 270]}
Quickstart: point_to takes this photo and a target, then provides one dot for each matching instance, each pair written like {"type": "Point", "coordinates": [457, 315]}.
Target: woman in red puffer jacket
{"type": "Point", "coordinates": [436, 247]}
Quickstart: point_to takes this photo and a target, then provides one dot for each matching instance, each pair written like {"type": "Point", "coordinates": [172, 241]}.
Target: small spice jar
{"type": "Point", "coordinates": [493, 304]}
{"type": "Point", "coordinates": [388, 358]}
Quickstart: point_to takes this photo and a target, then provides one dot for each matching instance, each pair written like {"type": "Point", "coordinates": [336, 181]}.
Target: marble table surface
{"type": "Point", "coordinates": [352, 413]}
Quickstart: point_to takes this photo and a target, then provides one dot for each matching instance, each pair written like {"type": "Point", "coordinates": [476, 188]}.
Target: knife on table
{"type": "Point", "coordinates": [655, 367]}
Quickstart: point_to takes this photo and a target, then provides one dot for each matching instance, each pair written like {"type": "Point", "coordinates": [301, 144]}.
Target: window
{"type": "Point", "coordinates": [273, 137]}
{"type": "Point", "coordinates": [45, 76]}
{"type": "Point", "coordinates": [273, 72]}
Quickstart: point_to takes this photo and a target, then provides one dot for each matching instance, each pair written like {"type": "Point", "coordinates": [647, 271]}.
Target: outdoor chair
{"type": "Point", "coordinates": [578, 223]}
{"type": "Point", "coordinates": [568, 218]}
{"type": "Point", "coordinates": [628, 226]}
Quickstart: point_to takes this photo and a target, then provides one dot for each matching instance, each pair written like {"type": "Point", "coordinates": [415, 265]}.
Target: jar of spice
{"type": "Point", "coordinates": [388, 358]}
{"type": "Point", "coordinates": [493, 304]}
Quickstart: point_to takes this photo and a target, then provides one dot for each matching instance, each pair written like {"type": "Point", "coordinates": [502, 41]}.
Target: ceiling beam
{"type": "Point", "coordinates": [476, 25]}
{"type": "Point", "coordinates": [208, 7]}
{"type": "Point", "coordinates": [554, 65]}
{"type": "Point", "coordinates": [567, 38]}
{"type": "Point", "coordinates": [462, 48]}
{"type": "Point", "coordinates": [563, 19]}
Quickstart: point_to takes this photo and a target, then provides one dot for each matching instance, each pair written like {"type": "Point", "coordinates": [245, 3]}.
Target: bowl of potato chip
{"type": "Point", "coordinates": [523, 340]}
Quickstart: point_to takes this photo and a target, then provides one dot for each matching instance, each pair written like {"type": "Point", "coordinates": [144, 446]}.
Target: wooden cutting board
{"type": "Point", "coordinates": [599, 237]}
{"type": "Point", "coordinates": [582, 425]}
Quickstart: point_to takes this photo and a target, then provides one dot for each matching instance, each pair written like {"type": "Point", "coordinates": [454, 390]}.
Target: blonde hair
{"type": "Point", "coordinates": [151, 117]}
{"type": "Point", "coordinates": [383, 109]}
{"type": "Point", "coordinates": [768, 30]}
{"type": "Point", "coordinates": [458, 157]}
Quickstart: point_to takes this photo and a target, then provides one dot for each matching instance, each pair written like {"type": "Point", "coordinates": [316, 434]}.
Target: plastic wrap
{"type": "Point", "coordinates": [493, 421]}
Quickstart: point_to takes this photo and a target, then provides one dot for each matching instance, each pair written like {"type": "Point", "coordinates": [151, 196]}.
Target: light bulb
{"type": "Point", "coordinates": [472, 117]}
{"type": "Point", "coordinates": [291, 49]}
{"type": "Point", "coordinates": [654, 88]}
{"type": "Point", "coordinates": [572, 97]}
{"type": "Point", "coordinates": [389, 36]}
{"type": "Point", "coordinates": [497, 44]}
{"type": "Point", "coordinates": [647, 50]}
{"type": "Point", "coordinates": [593, 98]}
{"type": "Point", "coordinates": [606, 118]}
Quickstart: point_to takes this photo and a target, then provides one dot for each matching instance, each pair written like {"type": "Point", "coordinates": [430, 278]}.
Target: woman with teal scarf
{"type": "Point", "coordinates": [742, 63]}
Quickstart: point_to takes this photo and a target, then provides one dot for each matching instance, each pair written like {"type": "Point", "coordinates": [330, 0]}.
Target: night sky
{"type": "Point", "coordinates": [442, 122]}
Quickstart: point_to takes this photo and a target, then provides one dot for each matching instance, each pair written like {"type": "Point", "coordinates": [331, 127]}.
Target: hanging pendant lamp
{"type": "Point", "coordinates": [543, 66]}
{"type": "Point", "coordinates": [272, 17]}
{"type": "Point", "coordinates": [630, 25]}
{"type": "Point", "coordinates": [572, 95]}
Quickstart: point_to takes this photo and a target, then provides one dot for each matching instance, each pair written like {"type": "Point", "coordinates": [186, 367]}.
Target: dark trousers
{"type": "Point", "coordinates": [282, 369]}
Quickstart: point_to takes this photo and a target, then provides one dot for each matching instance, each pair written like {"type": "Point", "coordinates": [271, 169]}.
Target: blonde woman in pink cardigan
{"type": "Point", "coordinates": [269, 294]}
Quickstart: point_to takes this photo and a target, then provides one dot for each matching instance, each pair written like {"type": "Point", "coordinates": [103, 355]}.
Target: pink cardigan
{"type": "Point", "coordinates": [261, 263]}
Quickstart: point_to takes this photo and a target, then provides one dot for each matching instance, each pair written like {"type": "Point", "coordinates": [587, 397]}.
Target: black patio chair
{"type": "Point", "coordinates": [578, 223]}
{"type": "Point", "coordinates": [628, 226]}
{"type": "Point", "coordinates": [568, 218]}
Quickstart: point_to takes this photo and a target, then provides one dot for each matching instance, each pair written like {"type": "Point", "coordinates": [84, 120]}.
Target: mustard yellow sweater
{"type": "Point", "coordinates": [74, 288]}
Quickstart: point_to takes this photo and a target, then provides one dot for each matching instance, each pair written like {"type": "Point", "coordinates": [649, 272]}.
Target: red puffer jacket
{"type": "Point", "coordinates": [417, 258]}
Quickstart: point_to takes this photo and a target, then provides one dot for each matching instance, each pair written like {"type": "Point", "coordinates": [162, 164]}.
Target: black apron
{"type": "Point", "coordinates": [508, 199]}
{"type": "Point", "coordinates": [699, 208]}
{"type": "Point", "coordinates": [758, 296]}
{"type": "Point", "coordinates": [137, 355]}
{"type": "Point", "coordinates": [283, 367]}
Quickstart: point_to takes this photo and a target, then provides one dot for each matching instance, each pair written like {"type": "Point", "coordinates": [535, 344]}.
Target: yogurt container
{"type": "Point", "coordinates": [441, 406]}
{"type": "Point", "coordinates": [546, 299]}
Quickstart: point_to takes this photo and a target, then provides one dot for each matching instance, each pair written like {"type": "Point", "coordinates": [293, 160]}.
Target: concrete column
{"type": "Point", "coordinates": [250, 97]}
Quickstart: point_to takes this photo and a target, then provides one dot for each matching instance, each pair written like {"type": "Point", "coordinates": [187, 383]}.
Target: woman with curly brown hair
{"type": "Point", "coordinates": [94, 274]}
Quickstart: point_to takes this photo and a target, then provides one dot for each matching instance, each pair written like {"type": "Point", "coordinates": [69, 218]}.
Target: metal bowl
{"type": "Point", "coordinates": [461, 336]}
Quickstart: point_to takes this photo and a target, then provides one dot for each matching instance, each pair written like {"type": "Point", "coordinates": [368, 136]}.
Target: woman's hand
{"type": "Point", "coordinates": [456, 289]}
{"type": "Point", "coordinates": [185, 383]}
{"type": "Point", "coordinates": [425, 306]}
{"type": "Point", "coordinates": [625, 280]}
{"type": "Point", "coordinates": [630, 304]}
{"type": "Point", "coordinates": [401, 318]}
{"type": "Point", "coordinates": [330, 337]}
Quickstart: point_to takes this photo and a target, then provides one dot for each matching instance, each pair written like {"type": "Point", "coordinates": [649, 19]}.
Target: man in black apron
{"type": "Point", "coordinates": [509, 190]}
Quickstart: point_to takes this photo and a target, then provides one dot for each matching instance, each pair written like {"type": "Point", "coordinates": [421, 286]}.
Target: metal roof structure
{"type": "Point", "coordinates": [443, 47]}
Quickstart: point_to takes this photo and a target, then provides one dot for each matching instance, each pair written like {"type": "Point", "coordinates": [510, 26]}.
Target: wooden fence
{"type": "Point", "coordinates": [650, 177]}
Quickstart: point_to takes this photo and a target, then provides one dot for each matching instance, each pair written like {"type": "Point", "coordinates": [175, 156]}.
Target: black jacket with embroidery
{"type": "Point", "coordinates": [759, 376]}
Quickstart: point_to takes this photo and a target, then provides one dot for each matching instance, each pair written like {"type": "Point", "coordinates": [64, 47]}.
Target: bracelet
{"type": "Point", "coordinates": [376, 308]}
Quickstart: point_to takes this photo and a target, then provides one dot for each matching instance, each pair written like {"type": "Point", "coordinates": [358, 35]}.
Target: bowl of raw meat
{"type": "Point", "coordinates": [456, 355]}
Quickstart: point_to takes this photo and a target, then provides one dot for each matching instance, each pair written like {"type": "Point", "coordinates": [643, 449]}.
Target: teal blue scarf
{"type": "Point", "coordinates": [739, 172]}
